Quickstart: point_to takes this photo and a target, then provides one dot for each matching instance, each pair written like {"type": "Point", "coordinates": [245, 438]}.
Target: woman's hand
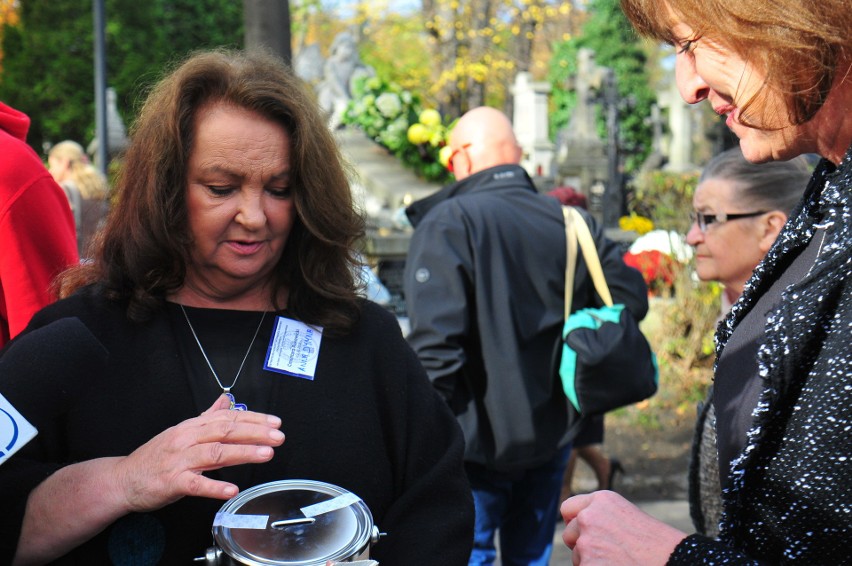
{"type": "Point", "coordinates": [604, 528]}
{"type": "Point", "coordinates": [170, 465]}
{"type": "Point", "coordinates": [80, 500]}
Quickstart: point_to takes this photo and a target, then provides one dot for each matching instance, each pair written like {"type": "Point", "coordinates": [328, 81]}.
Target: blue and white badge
{"type": "Point", "coordinates": [294, 348]}
{"type": "Point", "coordinates": [15, 431]}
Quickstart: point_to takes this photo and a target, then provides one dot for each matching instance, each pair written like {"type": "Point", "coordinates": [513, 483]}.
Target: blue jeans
{"type": "Point", "coordinates": [522, 506]}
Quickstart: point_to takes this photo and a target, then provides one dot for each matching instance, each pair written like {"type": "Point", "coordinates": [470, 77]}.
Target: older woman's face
{"type": "Point", "coordinates": [705, 69]}
{"type": "Point", "coordinates": [728, 251]}
{"type": "Point", "coordinates": [239, 201]}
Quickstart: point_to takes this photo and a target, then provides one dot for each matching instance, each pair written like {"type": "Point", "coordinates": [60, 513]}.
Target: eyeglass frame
{"type": "Point", "coordinates": [463, 147]}
{"type": "Point", "coordinates": [704, 220]}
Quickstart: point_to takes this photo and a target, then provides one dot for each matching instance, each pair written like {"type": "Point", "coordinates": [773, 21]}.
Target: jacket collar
{"type": "Point", "coordinates": [486, 180]}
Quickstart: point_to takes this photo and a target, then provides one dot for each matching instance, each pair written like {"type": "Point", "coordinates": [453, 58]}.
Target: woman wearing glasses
{"type": "Point", "coordinates": [740, 208]}
{"type": "Point", "coordinates": [780, 71]}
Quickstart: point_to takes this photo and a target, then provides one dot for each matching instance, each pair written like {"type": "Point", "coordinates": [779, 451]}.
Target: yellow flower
{"type": "Point", "coordinates": [636, 223]}
{"type": "Point", "coordinates": [418, 133]}
{"type": "Point", "coordinates": [430, 118]}
{"type": "Point", "coordinates": [436, 136]}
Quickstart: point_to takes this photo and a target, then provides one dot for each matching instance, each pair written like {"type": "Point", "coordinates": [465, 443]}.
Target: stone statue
{"type": "Point", "coordinates": [308, 64]}
{"type": "Point", "coordinates": [340, 70]}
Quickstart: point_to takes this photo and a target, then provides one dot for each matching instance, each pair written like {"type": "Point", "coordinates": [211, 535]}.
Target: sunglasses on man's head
{"type": "Point", "coordinates": [450, 166]}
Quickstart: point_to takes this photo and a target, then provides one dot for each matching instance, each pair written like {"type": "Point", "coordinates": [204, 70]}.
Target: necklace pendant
{"type": "Point", "coordinates": [234, 405]}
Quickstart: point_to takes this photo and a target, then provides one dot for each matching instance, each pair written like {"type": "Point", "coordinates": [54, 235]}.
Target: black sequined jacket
{"type": "Point", "coordinates": [791, 490]}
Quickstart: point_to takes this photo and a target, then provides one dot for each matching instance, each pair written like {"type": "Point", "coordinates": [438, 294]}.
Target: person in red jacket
{"type": "Point", "coordinates": [37, 236]}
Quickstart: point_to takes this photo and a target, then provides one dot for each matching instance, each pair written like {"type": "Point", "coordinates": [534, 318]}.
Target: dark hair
{"type": "Point", "coordinates": [145, 248]}
{"type": "Point", "coordinates": [776, 185]}
{"type": "Point", "coordinates": [800, 46]}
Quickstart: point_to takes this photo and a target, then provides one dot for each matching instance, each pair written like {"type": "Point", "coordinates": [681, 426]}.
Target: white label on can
{"type": "Point", "coordinates": [338, 502]}
{"type": "Point", "coordinates": [233, 521]}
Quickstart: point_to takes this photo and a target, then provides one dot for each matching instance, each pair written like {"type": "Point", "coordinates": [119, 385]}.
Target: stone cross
{"type": "Point", "coordinates": [581, 154]}
{"type": "Point", "coordinates": [587, 83]}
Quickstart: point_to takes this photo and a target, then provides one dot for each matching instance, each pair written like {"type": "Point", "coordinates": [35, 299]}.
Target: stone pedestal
{"type": "Point", "coordinates": [383, 188]}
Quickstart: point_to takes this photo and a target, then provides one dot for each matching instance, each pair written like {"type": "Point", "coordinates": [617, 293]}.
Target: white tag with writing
{"type": "Point", "coordinates": [15, 431]}
{"type": "Point", "coordinates": [330, 505]}
{"type": "Point", "coordinates": [232, 521]}
{"type": "Point", "coordinates": [294, 348]}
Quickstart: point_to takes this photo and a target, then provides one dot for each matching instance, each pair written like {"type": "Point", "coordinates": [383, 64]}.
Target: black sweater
{"type": "Point", "coordinates": [369, 422]}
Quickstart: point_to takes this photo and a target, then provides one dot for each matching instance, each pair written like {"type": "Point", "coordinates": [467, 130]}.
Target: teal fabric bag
{"type": "Point", "coordinates": [606, 361]}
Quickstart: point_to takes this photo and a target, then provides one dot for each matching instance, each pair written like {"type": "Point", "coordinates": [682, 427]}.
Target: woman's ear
{"type": "Point", "coordinates": [771, 226]}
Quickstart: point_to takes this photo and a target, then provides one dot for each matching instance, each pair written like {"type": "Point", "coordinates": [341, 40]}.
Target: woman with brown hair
{"type": "Point", "coordinates": [781, 73]}
{"type": "Point", "coordinates": [223, 303]}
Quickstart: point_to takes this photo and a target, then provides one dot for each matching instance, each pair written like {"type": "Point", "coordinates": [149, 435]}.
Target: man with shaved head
{"type": "Point", "coordinates": [484, 286]}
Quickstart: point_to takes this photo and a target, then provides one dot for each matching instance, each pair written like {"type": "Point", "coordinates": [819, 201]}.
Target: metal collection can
{"type": "Point", "coordinates": [292, 523]}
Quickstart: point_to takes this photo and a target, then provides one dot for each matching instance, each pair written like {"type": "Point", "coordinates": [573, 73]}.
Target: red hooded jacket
{"type": "Point", "coordinates": [37, 236]}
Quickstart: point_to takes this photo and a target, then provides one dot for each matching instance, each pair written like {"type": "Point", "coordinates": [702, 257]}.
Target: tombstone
{"type": "Point", "coordinates": [581, 157]}
{"type": "Point", "coordinates": [657, 157]}
{"type": "Point", "coordinates": [587, 83]}
{"type": "Point", "coordinates": [116, 132]}
{"type": "Point", "coordinates": [530, 125]}
{"type": "Point", "coordinates": [682, 129]}
{"type": "Point", "coordinates": [340, 71]}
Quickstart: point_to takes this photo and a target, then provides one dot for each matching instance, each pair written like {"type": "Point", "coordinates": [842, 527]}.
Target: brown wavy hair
{"type": "Point", "coordinates": [800, 44]}
{"type": "Point", "coordinates": [143, 252]}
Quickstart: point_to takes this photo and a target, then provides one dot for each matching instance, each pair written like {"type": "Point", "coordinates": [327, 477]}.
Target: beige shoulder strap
{"type": "Point", "coordinates": [590, 255]}
{"type": "Point", "coordinates": [571, 257]}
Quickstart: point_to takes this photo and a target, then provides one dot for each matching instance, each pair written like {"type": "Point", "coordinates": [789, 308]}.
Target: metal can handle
{"type": "Point", "coordinates": [212, 556]}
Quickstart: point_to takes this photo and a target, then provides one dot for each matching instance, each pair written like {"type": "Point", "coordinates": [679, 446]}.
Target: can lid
{"type": "Point", "coordinates": [293, 523]}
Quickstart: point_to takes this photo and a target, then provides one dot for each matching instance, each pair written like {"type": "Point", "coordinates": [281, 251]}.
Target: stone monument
{"type": "Point", "coordinates": [683, 127]}
{"type": "Point", "coordinates": [308, 64]}
{"type": "Point", "coordinates": [657, 158]}
{"type": "Point", "coordinates": [530, 125]}
{"type": "Point", "coordinates": [340, 71]}
{"type": "Point", "coordinates": [581, 157]}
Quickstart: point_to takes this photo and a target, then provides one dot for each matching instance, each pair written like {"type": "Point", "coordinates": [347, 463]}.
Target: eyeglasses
{"type": "Point", "coordinates": [704, 220]}
{"type": "Point", "coordinates": [455, 152]}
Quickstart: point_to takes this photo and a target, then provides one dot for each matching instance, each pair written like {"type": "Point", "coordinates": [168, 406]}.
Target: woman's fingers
{"type": "Point", "coordinates": [571, 534]}
{"type": "Point", "coordinates": [197, 485]}
{"type": "Point", "coordinates": [604, 528]}
{"type": "Point", "coordinates": [573, 505]}
{"type": "Point", "coordinates": [170, 465]}
{"type": "Point", "coordinates": [221, 402]}
{"type": "Point", "coordinates": [238, 430]}
{"type": "Point", "coordinates": [215, 455]}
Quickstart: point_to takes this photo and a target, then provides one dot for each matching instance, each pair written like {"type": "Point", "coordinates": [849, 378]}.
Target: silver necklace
{"type": "Point", "coordinates": [226, 390]}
